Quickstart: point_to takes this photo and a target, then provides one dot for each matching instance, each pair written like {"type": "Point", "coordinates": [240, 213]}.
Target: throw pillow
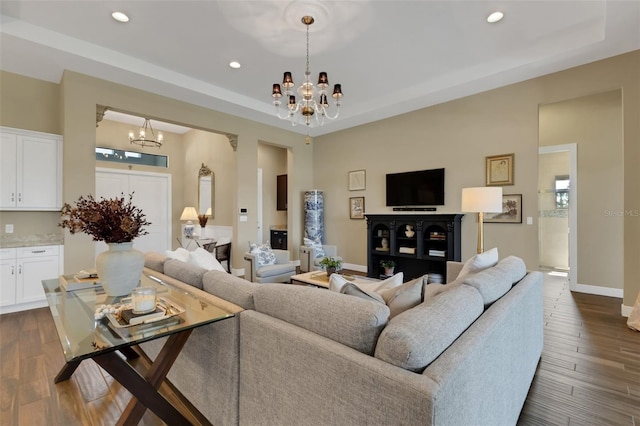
{"type": "Point", "coordinates": [479, 262]}
{"type": "Point", "coordinates": [264, 254]}
{"type": "Point", "coordinates": [353, 290]}
{"type": "Point", "coordinates": [336, 282]}
{"type": "Point", "coordinates": [204, 259]}
{"type": "Point", "coordinates": [316, 245]}
{"type": "Point", "coordinates": [403, 297]}
{"type": "Point", "coordinates": [180, 253]}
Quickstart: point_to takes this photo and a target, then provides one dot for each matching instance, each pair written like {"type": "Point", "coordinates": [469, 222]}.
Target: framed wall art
{"type": "Point", "coordinates": [357, 180]}
{"type": "Point", "coordinates": [511, 210]}
{"type": "Point", "coordinates": [356, 208]}
{"type": "Point", "coordinates": [500, 170]}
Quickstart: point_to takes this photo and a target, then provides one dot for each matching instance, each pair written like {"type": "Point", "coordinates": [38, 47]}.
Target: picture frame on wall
{"type": "Point", "coordinates": [356, 208]}
{"type": "Point", "coordinates": [500, 169]}
{"type": "Point", "coordinates": [511, 210]}
{"type": "Point", "coordinates": [357, 180]}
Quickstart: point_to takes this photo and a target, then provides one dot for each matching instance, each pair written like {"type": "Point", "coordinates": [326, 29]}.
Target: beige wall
{"type": "Point", "coordinates": [594, 124]}
{"type": "Point", "coordinates": [29, 104]}
{"type": "Point", "coordinates": [458, 135]}
{"type": "Point", "coordinates": [273, 162]}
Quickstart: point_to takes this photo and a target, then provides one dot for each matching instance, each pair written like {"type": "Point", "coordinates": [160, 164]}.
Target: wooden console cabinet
{"type": "Point", "coordinates": [418, 243]}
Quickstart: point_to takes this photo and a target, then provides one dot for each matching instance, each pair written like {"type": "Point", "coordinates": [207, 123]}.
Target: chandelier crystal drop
{"type": "Point", "coordinates": [308, 105]}
{"type": "Point", "coordinates": [146, 136]}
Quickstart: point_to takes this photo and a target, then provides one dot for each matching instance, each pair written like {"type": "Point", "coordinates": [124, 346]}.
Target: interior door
{"type": "Point", "coordinates": [151, 193]}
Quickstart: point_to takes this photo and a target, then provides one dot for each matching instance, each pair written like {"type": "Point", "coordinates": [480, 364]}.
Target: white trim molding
{"type": "Point", "coordinates": [354, 267]}
{"type": "Point", "coordinates": [625, 310]}
{"type": "Point", "coordinates": [597, 290]}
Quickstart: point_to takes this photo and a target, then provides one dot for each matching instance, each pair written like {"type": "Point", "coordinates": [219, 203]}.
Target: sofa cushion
{"type": "Point", "coordinates": [479, 262]}
{"type": "Point", "coordinates": [416, 337]}
{"type": "Point", "coordinates": [229, 287]}
{"type": "Point", "coordinates": [202, 258]}
{"type": "Point", "coordinates": [154, 260]}
{"type": "Point", "coordinates": [188, 273]}
{"type": "Point", "coordinates": [179, 253]}
{"type": "Point", "coordinates": [352, 321]}
{"type": "Point", "coordinates": [273, 270]}
{"type": "Point", "coordinates": [316, 245]}
{"type": "Point", "coordinates": [493, 283]}
{"type": "Point", "coordinates": [514, 267]}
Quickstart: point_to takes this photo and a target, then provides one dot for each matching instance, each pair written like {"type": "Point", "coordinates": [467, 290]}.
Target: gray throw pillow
{"type": "Point", "coordinates": [353, 290]}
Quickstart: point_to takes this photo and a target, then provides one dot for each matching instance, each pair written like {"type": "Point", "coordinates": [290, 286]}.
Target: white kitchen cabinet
{"type": "Point", "coordinates": [23, 270]}
{"type": "Point", "coordinates": [31, 167]}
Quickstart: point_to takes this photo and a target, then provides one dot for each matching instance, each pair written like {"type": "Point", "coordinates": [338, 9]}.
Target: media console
{"type": "Point", "coordinates": [417, 243]}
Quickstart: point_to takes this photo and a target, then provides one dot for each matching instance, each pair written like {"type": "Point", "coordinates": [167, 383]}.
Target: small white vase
{"type": "Point", "coordinates": [120, 268]}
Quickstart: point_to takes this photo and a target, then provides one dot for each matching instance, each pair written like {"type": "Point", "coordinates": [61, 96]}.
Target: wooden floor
{"type": "Point", "coordinates": [589, 373]}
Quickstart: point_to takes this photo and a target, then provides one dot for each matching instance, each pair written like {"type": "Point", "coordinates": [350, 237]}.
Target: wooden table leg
{"type": "Point", "coordinates": [67, 371]}
{"type": "Point", "coordinates": [144, 389]}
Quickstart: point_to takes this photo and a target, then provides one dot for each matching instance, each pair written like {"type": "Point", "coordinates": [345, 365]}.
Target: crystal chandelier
{"type": "Point", "coordinates": [146, 137]}
{"type": "Point", "coordinates": [307, 106]}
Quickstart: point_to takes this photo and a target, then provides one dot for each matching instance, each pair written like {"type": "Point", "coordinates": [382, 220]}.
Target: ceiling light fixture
{"type": "Point", "coordinates": [142, 139]}
{"type": "Point", "coordinates": [495, 17]}
{"type": "Point", "coordinates": [120, 17]}
{"type": "Point", "coordinates": [307, 106]}
{"type": "Point", "coordinates": [234, 64]}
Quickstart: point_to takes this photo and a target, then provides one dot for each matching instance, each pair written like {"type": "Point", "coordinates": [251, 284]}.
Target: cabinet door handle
{"type": "Point", "coordinates": [13, 196]}
{"type": "Point", "coordinates": [19, 197]}
{"type": "Point", "coordinates": [20, 269]}
{"type": "Point", "coordinates": [38, 251]}
{"type": "Point", "coordinates": [13, 270]}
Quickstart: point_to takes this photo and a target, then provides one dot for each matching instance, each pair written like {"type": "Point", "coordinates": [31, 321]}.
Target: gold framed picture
{"type": "Point", "coordinates": [356, 208]}
{"type": "Point", "coordinates": [500, 170]}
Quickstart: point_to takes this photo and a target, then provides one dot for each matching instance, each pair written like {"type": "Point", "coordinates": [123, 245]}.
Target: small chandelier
{"type": "Point", "coordinates": [307, 106]}
{"type": "Point", "coordinates": [146, 137]}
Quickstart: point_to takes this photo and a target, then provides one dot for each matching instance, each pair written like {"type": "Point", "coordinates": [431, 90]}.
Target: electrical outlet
{"type": "Point", "coordinates": [8, 228]}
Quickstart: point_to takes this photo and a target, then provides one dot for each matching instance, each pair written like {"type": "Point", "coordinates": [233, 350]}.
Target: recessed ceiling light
{"type": "Point", "coordinates": [120, 17]}
{"type": "Point", "coordinates": [495, 17]}
{"type": "Point", "coordinates": [234, 64]}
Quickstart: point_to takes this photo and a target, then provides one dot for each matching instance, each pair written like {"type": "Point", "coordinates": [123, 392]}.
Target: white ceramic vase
{"type": "Point", "coordinates": [120, 268]}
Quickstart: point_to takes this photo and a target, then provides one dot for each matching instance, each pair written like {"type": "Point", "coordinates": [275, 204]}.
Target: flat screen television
{"type": "Point", "coordinates": [419, 188]}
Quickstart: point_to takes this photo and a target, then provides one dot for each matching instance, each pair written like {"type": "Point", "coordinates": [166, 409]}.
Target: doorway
{"type": "Point", "coordinates": [557, 210]}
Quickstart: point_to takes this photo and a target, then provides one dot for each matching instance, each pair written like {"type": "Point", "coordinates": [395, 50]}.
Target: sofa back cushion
{"type": "Point", "coordinates": [229, 287]}
{"type": "Point", "coordinates": [188, 273]}
{"type": "Point", "coordinates": [415, 338]}
{"type": "Point", "coordinates": [155, 260]}
{"type": "Point", "coordinates": [495, 282]}
{"type": "Point", "coordinates": [352, 321]}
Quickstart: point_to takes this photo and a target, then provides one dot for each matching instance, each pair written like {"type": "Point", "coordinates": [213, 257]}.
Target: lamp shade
{"type": "Point", "coordinates": [482, 199]}
{"type": "Point", "coordinates": [189, 213]}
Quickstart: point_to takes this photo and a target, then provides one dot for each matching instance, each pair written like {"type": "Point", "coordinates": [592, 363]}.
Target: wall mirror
{"type": "Point", "coordinates": [206, 191]}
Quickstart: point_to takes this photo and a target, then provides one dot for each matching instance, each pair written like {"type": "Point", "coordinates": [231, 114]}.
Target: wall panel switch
{"type": "Point", "coordinates": [529, 220]}
{"type": "Point", "coordinates": [8, 228]}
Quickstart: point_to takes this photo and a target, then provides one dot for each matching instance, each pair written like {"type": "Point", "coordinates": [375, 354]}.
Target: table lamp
{"type": "Point", "coordinates": [189, 214]}
{"type": "Point", "coordinates": [481, 200]}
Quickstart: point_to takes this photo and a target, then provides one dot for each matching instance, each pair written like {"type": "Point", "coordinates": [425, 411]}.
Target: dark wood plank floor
{"type": "Point", "coordinates": [589, 373]}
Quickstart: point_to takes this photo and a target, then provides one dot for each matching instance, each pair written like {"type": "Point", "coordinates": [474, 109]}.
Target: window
{"type": "Point", "coordinates": [131, 157]}
{"type": "Point", "coordinates": [562, 188]}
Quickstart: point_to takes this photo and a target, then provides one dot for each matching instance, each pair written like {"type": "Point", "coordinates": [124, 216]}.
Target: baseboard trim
{"type": "Point", "coordinates": [599, 291]}
{"type": "Point", "coordinates": [354, 267]}
{"type": "Point", "coordinates": [625, 310]}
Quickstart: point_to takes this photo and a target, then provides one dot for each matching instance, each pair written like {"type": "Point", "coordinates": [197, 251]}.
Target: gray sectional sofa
{"type": "Point", "coordinates": [297, 355]}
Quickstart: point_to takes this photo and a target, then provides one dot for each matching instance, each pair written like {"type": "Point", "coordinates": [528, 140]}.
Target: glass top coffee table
{"type": "Point", "coordinates": [82, 336]}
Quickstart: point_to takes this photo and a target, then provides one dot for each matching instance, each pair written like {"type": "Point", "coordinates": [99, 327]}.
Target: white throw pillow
{"type": "Point", "coordinates": [390, 282]}
{"type": "Point", "coordinates": [404, 296]}
{"type": "Point", "coordinates": [316, 245]}
{"type": "Point", "coordinates": [202, 258]}
{"type": "Point", "coordinates": [479, 262]}
{"type": "Point", "coordinates": [180, 253]}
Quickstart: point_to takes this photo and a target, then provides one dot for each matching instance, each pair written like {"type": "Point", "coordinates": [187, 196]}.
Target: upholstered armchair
{"type": "Point", "coordinates": [309, 259]}
{"type": "Point", "coordinates": [280, 272]}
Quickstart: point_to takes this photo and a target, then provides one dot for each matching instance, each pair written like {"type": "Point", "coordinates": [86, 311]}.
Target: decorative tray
{"type": "Point", "coordinates": [165, 308]}
{"type": "Point", "coordinates": [322, 276]}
